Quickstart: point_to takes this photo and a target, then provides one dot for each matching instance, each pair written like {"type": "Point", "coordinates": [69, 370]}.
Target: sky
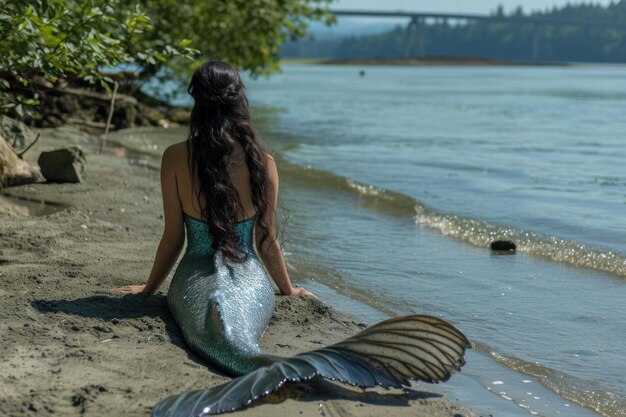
{"type": "Point", "coordinates": [463, 6]}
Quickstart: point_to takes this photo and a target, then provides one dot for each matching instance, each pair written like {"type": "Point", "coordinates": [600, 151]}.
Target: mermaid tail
{"type": "Point", "coordinates": [223, 307]}
{"type": "Point", "coordinates": [388, 354]}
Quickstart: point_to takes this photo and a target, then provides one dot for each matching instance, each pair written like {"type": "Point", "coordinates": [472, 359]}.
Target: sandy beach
{"type": "Point", "coordinates": [71, 347]}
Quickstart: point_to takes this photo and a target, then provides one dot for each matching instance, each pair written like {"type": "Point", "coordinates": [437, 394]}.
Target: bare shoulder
{"type": "Point", "coordinates": [174, 157]}
{"type": "Point", "coordinates": [271, 164]}
{"type": "Point", "coordinates": [176, 149]}
{"type": "Point", "coordinates": [272, 169]}
{"type": "Point", "coordinates": [175, 154]}
{"type": "Point", "coordinates": [270, 161]}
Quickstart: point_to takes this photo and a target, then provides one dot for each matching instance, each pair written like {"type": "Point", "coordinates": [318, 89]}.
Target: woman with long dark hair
{"type": "Point", "coordinates": [221, 186]}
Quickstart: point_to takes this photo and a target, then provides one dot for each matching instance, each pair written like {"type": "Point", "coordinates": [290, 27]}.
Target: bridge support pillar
{"type": "Point", "coordinates": [415, 38]}
{"type": "Point", "coordinates": [536, 43]}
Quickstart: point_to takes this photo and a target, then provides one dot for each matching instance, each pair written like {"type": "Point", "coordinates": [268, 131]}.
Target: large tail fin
{"type": "Point", "coordinates": [388, 354]}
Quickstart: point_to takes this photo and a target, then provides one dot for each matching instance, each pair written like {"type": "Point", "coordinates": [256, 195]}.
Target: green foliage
{"type": "Point", "coordinates": [77, 39]}
{"type": "Point", "coordinates": [70, 39]}
{"type": "Point", "coordinates": [246, 33]}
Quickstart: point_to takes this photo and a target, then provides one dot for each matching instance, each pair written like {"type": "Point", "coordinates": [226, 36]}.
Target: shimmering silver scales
{"type": "Point", "coordinates": [223, 307]}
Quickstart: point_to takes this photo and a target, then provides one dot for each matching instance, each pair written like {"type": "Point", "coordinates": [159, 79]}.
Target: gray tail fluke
{"type": "Point", "coordinates": [388, 354]}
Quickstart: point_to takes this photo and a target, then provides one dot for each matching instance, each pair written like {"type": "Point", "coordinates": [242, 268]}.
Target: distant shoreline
{"type": "Point", "coordinates": [427, 61]}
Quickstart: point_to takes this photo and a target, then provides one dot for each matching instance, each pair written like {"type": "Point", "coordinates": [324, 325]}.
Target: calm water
{"type": "Point", "coordinates": [397, 182]}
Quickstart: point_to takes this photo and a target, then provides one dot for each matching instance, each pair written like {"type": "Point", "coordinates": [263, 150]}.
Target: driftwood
{"type": "Point", "coordinates": [88, 123]}
{"type": "Point", "coordinates": [84, 93]}
{"type": "Point", "coordinates": [106, 129]}
{"type": "Point", "coordinates": [21, 154]}
{"type": "Point", "coordinates": [76, 102]}
{"type": "Point", "coordinates": [93, 95]}
{"type": "Point", "coordinates": [122, 76]}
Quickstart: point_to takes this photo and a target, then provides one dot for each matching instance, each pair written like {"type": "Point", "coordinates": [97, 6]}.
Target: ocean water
{"type": "Point", "coordinates": [396, 183]}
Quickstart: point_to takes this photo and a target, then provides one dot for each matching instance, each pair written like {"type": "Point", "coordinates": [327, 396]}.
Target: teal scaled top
{"type": "Point", "coordinates": [222, 306]}
{"type": "Point", "coordinates": [199, 240]}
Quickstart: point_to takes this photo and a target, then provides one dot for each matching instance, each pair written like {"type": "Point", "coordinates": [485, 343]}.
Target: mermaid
{"type": "Point", "coordinates": [221, 187]}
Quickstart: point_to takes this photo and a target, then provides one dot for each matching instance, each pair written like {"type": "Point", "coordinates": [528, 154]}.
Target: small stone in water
{"type": "Point", "coordinates": [505, 246]}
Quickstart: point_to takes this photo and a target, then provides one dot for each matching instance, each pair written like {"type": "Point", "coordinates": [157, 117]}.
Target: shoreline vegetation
{"type": "Point", "coordinates": [70, 346]}
{"type": "Point", "coordinates": [434, 61]}
{"type": "Point", "coordinates": [583, 32]}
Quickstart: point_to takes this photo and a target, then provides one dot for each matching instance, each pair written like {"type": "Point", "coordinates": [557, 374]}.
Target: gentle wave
{"type": "Point", "coordinates": [587, 394]}
{"type": "Point", "coordinates": [481, 233]}
{"type": "Point", "coordinates": [370, 197]}
{"type": "Point", "coordinates": [476, 232]}
{"type": "Point", "coordinates": [333, 279]}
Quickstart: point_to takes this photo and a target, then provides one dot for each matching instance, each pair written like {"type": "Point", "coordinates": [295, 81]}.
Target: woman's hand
{"type": "Point", "coordinates": [130, 289]}
{"type": "Point", "coordinates": [301, 292]}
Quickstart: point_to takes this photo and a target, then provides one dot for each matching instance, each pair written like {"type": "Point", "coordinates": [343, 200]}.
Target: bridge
{"type": "Point", "coordinates": [418, 19]}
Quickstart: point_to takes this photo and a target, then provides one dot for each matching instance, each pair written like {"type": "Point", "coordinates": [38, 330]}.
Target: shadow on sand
{"type": "Point", "coordinates": [115, 308]}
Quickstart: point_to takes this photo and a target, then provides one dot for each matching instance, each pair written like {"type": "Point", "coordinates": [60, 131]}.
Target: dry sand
{"type": "Point", "coordinates": [70, 347]}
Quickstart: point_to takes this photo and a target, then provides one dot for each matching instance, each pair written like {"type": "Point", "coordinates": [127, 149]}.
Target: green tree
{"type": "Point", "coordinates": [52, 39]}
{"type": "Point", "coordinates": [247, 33]}
{"type": "Point", "coordinates": [77, 39]}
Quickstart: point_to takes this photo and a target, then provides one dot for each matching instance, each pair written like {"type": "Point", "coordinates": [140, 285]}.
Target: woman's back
{"type": "Point", "coordinates": [187, 182]}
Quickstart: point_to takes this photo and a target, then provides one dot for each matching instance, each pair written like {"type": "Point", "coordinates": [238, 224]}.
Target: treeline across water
{"type": "Point", "coordinates": [514, 41]}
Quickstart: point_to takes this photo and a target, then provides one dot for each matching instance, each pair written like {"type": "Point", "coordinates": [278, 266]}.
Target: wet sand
{"type": "Point", "coordinates": [70, 346]}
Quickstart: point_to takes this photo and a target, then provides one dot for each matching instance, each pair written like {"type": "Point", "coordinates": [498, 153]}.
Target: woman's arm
{"type": "Point", "coordinates": [173, 237]}
{"type": "Point", "coordinates": [269, 251]}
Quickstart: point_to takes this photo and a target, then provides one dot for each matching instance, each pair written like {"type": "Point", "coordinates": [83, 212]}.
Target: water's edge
{"type": "Point", "coordinates": [477, 233]}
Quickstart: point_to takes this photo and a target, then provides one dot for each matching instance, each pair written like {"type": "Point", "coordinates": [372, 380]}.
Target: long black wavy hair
{"type": "Point", "coordinates": [221, 117]}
